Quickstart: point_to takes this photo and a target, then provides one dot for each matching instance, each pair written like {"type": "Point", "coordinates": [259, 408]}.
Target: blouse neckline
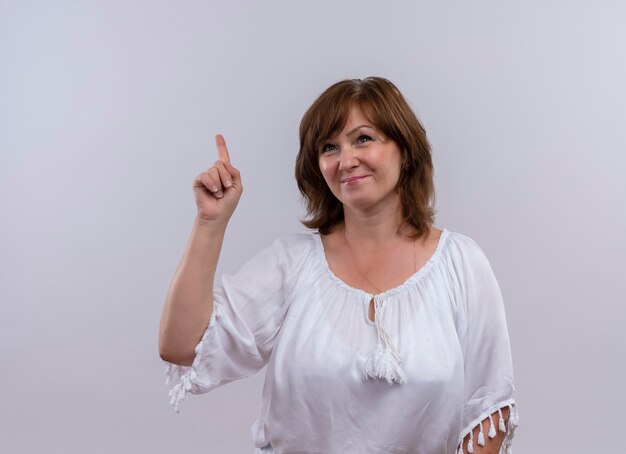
{"type": "Point", "coordinates": [411, 280]}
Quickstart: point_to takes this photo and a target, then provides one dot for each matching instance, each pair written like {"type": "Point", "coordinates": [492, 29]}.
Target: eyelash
{"type": "Point", "coordinates": [358, 141]}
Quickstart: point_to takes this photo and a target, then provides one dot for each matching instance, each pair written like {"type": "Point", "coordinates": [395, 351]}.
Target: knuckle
{"type": "Point", "coordinates": [209, 183]}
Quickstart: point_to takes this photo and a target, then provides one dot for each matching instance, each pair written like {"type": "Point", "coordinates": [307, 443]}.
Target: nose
{"type": "Point", "coordinates": [347, 159]}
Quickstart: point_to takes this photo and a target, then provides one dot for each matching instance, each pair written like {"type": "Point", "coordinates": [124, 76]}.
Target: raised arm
{"type": "Point", "coordinates": [189, 302]}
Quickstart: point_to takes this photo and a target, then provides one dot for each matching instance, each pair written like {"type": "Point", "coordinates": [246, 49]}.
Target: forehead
{"type": "Point", "coordinates": [355, 117]}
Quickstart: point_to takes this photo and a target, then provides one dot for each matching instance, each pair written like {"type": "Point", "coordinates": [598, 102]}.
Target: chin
{"type": "Point", "coordinates": [364, 202]}
{"type": "Point", "coordinates": [358, 204]}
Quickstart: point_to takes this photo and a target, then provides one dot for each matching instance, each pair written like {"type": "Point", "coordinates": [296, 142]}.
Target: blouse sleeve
{"type": "Point", "coordinates": [488, 366]}
{"type": "Point", "coordinates": [249, 308]}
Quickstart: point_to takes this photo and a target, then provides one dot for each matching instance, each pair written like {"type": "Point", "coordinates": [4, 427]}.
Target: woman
{"type": "Point", "coordinates": [381, 333]}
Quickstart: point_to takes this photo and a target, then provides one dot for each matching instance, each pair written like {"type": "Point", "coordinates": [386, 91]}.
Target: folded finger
{"type": "Point", "coordinates": [225, 177]}
{"type": "Point", "coordinates": [216, 187]}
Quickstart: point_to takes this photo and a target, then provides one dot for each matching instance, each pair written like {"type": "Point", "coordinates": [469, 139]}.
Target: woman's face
{"type": "Point", "coordinates": [360, 165]}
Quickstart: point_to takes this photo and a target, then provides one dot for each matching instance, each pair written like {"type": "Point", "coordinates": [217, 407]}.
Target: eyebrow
{"type": "Point", "coordinates": [354, 130]}
{"type": "Point", "coordinates": [359, 127]}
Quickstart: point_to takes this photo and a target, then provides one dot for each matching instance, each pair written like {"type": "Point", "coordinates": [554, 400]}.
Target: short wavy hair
{"type": "Point", "coordinates": [382, 103]}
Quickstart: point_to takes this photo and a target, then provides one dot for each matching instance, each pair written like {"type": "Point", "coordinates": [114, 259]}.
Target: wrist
{"type": "Point", "coordinates": [211, 225]}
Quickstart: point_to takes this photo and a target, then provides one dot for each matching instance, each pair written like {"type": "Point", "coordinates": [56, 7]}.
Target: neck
{"type": "Point", "coordinates": [375, 226]}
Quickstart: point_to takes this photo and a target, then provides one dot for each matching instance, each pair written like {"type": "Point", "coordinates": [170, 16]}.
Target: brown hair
{"type": "Point", "coordinates": [383, 104]}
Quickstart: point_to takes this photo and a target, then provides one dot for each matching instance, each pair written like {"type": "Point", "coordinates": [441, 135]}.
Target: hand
{"type": "Point", "coordinates": [217, 191]}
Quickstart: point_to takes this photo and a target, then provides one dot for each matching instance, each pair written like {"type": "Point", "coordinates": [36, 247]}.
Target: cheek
{"type": "Point", "coordinates": [326, 168]}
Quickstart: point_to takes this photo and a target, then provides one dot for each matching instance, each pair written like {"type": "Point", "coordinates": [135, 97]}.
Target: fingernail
{"type": "Point", "coordinates": [219, 194]}
{"type": "Point", "coordinates": [227, 183]}
{"type": "Point", "coordinates": [213, 188]}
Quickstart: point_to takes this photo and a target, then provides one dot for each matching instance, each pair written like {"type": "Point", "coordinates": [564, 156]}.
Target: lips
{"type": "Point", "coordinates": [353, 179]}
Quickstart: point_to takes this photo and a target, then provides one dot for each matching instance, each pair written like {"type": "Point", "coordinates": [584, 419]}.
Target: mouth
{"type": "Point", "coordinates": [353, 179]}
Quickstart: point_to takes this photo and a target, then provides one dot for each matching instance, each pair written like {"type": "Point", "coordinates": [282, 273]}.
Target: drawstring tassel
{"type": "Point", "coordinates": [508, 428]}
{"type": "Point", "coordinates": [501, 425]}
{"type": "Point", "coordinates": [481, 436]}
{"type": "Point", "coordinates": [513, 423]}
{"type": "Point", "coordinates": [492, 429]}
{"type": "Point", "coordinates": [470, 443]}
{"type": "Point", "coordinates": [514, 416]}
{"type": "Point", "coordinates": [384, 361]}
{"type": "Point", "coordinates": [178, 392]}
{"type": "Point", "coordinates": [168, 372]}
{"type": "Point", "coordinates": [383, 364]}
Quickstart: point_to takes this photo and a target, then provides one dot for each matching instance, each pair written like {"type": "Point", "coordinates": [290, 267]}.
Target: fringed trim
{"type": "Point", "coordinates": [502, 427]}
{"type": "Point", "coordinates": [384, 361]}
{"type": "Point", "coordinates": [513, 423]}
{"type": "Point", "coordinates": [183, 377]}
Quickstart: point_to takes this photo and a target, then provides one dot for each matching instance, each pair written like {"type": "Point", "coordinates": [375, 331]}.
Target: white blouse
{"type": "Point", "coordinates": [433, 365]}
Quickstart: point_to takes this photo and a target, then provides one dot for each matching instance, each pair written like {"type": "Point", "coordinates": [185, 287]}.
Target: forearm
{"type": "Point", "coordinates": [189, 302]}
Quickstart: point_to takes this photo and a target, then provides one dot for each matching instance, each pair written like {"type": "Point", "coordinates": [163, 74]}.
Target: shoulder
{"type": "Point", "coordinates": [463, 247]}
{"type": "Point", "coordinates": [293, 248]}
{"type": "Point", "coordinates": [284, 255]}
{"type": "Point", "coordinates": [466, 257]}
{"type": "Point", "coordinates": [460, 240]}
{"type": "Point", "coordinates": [471, 273]}
{"type": "Point", "coordinates": [295, 242]}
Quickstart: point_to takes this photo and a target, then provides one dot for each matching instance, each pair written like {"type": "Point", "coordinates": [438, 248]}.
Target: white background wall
{"type": "Point", "coordinates": [108, 111]}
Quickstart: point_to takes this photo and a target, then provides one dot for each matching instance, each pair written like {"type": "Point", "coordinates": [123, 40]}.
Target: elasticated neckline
{"type": "Point", "coordinates": [411, 280]}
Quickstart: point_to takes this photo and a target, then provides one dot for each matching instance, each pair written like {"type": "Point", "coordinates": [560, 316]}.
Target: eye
{"type": "Point", "coordinates": [363, 138]}
{"type": "Point", "coordinates": [328, 147]}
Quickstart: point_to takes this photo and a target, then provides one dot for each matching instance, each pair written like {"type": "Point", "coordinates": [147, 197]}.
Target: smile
{"type": "Point", "coordinates": [353, 180]}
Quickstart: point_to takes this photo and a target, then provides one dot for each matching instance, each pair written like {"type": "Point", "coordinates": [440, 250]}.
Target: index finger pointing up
{"type": "Point", "coordinates": [222, 150]}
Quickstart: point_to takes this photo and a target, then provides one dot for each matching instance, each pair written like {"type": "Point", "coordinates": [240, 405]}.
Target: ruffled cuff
{"type": "Point", "coordinates": [509, 428]}
{"type": "Point", "coordinates": [183, 378]}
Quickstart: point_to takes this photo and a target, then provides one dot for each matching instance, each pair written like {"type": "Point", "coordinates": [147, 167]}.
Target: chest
{"type": "Point", "coordinates": [329, 335]}
{"type": "Point", "coordinates": [376, 271]}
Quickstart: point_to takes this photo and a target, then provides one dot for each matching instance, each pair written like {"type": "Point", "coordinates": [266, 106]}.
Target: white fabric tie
{"type": "Point", "coordinates": [384, 361]}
